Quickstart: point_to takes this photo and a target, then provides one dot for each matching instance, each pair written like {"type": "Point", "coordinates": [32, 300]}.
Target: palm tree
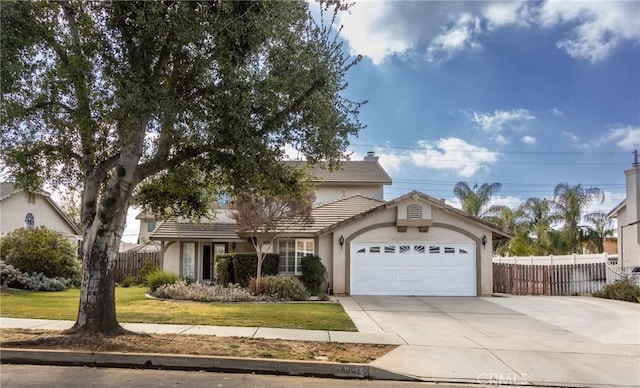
{"type": "Point", "coordinates": [539, 218]}
{"type": "Point", "coordinates": [599, 228]}
{"type": "Point", "coordinates": [512, 220]}
{"type": "Point", "coordinates": [475, 199]}
{"type": "Point", "coordinates": [569, 203]}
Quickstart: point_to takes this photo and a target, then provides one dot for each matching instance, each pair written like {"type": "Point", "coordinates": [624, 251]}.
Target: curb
{"type": "Point", "coordinates": [200, 363]}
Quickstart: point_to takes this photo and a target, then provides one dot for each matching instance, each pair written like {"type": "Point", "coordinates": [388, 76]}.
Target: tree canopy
{"type": "Point", "coordinates": [170, 100]}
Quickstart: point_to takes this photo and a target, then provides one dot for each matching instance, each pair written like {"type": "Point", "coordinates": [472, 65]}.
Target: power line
{"type": "Point", "coordinates": [568, 153]}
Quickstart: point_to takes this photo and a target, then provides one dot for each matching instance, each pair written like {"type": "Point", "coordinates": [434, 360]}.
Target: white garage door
{"type": "Point", "coordinates": [418, 268]}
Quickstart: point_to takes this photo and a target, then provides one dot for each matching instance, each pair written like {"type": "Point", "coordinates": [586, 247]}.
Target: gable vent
{"type": "Point", "coordinates": [414, 212]}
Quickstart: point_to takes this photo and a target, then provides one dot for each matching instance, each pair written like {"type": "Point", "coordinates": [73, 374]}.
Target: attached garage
{"type": "Point", "coordinates": [413, 268]}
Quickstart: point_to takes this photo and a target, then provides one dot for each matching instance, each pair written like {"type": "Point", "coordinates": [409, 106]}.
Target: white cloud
{"type": "Point", "coordinates": [378, 29]}
{"type": "Point", "coordinates": [627, 138]}
{"type": "Point", "coordinates": [611, 200]}
{"type": "Point", "coordinates": [529, 139]}
{"type": "Point", "coordinates": [601, 26]}
{"type": "Point", "coordinates": [499, 139]}
{"type": "Point", "coordinates": [452, 40]}
{"type": "Point", "coordinates": [571, 136]}
{"type": "Point", "coordinates": [361, 28]}
{"type": "Point", "coordinates": [500, 119]}
{"type": "Point", "coordinates": [291, 153]}
{"type": "Point", "coordinates": [557, 112]}
{"type": "Point", "coordinates": [453, 154]}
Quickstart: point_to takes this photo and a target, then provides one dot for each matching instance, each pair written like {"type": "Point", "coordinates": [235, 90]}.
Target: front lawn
{"type": "Point", "coordinates": [132, 306]}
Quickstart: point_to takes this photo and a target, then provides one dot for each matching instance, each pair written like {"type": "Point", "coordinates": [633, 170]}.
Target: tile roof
{"type": "Point", "coordinates": [352, 172]}
{"type": "Point", "coordinates": [331, 213]}
{"type": "Point", "coordinates": [210, 231]}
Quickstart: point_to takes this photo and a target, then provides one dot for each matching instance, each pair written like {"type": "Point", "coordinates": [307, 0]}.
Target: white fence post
{"type": "Point", "coordinates": [574, 259]}
{"type": "Point", "coordinates": [531, 259]}
{"type": "Point", "coordinates": [515, 259]}
{"type": "Point", "coordinates": [550, 259]}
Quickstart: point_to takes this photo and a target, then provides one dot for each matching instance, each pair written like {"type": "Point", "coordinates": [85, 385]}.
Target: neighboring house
{"type": "Point", "coordinates": [148, 224]}
{"type": "Point", "coordinates": [19, 209]}
{"type": "Point", "coordinates": [627, 214]}
{"type": "Point", "coordinates": [412, 245]}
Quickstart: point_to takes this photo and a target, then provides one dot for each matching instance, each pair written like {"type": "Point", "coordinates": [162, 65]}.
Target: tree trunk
{"type": "Point", "coordinates": [97, 311]}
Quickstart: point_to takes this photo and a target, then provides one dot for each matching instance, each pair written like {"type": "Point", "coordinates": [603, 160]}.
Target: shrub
{"type": "Point", "coordinates": [147, 267]}
{"type": "Point", "coordinates": [224, 270]}
{"type": "Point", "coordinates": [280, 287]}
{"type": "Point", "coordinates": [43, 251]}
{"type": "Point", "coordinates": [183, 290]}
{"type": "Point", "coordinates": [159, 277]}
{"type": "Point", "coordinates": [128, 281]}
{"type": "Point", "coordinates": [314, 273]}
{"type": "Point", "coordinates": [12, 277]}
{"type": "Point", "coordinates": [625, 289]}
{"type": "Point", "coordinates": [240, 267]}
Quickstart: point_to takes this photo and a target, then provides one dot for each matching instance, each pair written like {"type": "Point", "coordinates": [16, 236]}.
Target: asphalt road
{"type": "Point", "coordinates": [80, 377]}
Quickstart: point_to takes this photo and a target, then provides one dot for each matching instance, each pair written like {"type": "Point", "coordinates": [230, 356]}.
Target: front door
{"type": "Point", "coordinates": [207, 263]}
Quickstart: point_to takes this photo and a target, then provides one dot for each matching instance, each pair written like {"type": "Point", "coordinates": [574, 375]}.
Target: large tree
{"type": "Point", "coordinates": [475, 199]}
{"type": "Point", "coordinates": [570, 203]}
{"type": "Point", "coordinates": [177, 96]}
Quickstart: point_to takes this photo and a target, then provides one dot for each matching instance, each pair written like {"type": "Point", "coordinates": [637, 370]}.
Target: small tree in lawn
{"type": "Point", "coordinates": [262, 218]}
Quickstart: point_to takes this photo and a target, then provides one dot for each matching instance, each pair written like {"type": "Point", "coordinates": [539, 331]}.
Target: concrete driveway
{"type": "Point", "coordinates": [576, 341]}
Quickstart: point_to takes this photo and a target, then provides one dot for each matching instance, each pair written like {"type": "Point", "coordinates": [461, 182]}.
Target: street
{"type": "Point", "coordinates": [71, 377]}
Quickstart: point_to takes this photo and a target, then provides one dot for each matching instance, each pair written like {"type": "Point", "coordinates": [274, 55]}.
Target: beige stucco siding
{"type": "Point", "coordinates": [325, 252]}
{"type": "Point", "coordinates": [14, 209]}
{"type": "Point", "coordinates": [171, 259]}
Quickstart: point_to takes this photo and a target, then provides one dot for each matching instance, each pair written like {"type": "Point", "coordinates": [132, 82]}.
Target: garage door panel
{"type": "Point", "coordinates": [413, 269]}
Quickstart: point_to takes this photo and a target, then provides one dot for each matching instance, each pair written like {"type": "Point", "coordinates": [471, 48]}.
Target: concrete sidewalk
{"type": "Point", "coordinates": [379, 338]}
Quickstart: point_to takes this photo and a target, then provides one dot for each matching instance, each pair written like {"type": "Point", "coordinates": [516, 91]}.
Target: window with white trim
{"type": "Point", "coordinates": [188, 260]}
{"type": "Point", "coordinates": [291, 252]}
{"type": "Point", "coordinates": [29, 221]}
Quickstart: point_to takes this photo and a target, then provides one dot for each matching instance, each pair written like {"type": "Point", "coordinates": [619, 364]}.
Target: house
{"type": "Point", "coordinates": [19, 209]}
{"type": "Point", "coordinates": [412, 245]}
{"type": "Point", "coordinates": [627, 214]}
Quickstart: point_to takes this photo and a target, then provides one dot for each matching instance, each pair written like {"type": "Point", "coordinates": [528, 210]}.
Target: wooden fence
{"type": "Point", "coordinates": [130, 263]}
{"type": "Point", "coordinates": [567, 279]}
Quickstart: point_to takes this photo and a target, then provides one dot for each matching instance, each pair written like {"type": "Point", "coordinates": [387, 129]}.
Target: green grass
{"type": "Point", "coordinates": [132, 306]}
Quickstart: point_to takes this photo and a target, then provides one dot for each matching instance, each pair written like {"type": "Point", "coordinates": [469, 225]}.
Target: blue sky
{"type": "Point", "coordinates": [528, 94]}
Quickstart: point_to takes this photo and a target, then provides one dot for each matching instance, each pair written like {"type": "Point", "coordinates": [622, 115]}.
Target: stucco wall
{"type": "Point", "coordinates": [14, 209]}
{"type": "Point", "coordinates": [380, 227]}
{"type": "Point", "coordinates": [628, 245]}
{"type": "Point", "coordinates": [171, 259]}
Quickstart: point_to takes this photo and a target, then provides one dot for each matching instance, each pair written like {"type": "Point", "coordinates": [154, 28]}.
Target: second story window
{"type": "Point", "coordinates": [223, 199]}
{"type": "Point", "coordinates": [31, 198]}
{"type": "Point", "coordinates": [151, 226]}
{"type": "Point", "coordinates": [29, 221]}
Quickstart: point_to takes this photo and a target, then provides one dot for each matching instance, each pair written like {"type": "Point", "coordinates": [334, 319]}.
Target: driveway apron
{"type": "Point", "coordinates": [511, 340]}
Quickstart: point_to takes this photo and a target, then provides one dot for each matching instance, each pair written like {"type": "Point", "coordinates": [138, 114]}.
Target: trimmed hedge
{"type": "Point", "coordinates": [240, 267]}
{"type": "Point", "coordinates": [314, 273]}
